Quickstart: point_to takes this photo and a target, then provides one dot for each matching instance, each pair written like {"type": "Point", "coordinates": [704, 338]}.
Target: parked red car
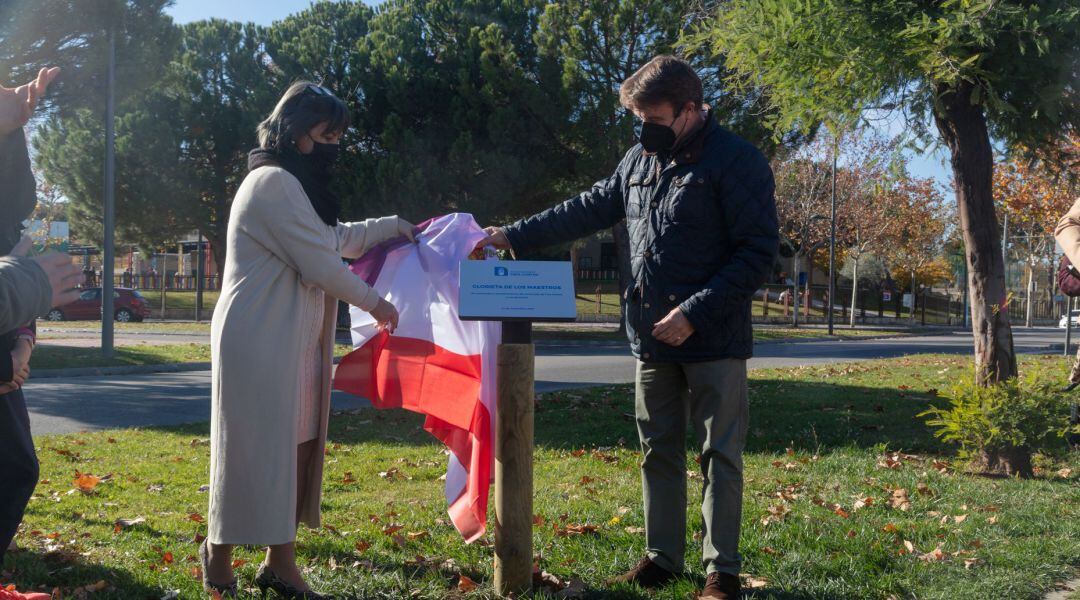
{"type": "Point", "coordinates": [128, 305]}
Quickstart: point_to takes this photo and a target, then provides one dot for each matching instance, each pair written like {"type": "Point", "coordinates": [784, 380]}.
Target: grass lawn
{"type": "Point", "coordinates": [828, 448]}
{"type": "Point", "coordinates": [59, 357]}
{"type": "Point", "coordinates": [185, 327]}
{"type": "Point", "coordinates": [609, 305]}
{"type": "Point", "coordinates": [766, 334]}
{"type": "Point", "coordinates": [181, 299]}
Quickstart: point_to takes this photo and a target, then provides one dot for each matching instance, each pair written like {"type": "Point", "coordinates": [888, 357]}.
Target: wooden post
{"type": "Point", "coordinates": [514, 461]}
{"type": "Point", "coordinates": [765, 303]}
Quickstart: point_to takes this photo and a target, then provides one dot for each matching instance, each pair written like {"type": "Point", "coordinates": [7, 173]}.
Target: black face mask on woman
{"type": "Point", "coordinates": [655, 137]}
{"type": "Point", "coordinates": [323, 156]}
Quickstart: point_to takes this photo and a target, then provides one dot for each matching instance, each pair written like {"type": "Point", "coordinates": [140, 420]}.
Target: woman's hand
{"type": "Point", "coordinates": [20, 362]}
{"type": "Point", "coordinates": [386, 316]}
{"type": "Point", "coordinates": [406, 228]}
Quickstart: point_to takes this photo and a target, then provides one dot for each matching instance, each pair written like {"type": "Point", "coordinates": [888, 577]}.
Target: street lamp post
{"type": "Point", "coordinates": [109, 220]}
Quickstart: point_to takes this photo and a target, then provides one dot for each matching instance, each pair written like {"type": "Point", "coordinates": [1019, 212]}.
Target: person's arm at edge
{"type": "Point", "coordinates": [1067, 233]}
{"type": "Point", "coordinates": [25, 292]}
{"type": "Point", "coordinates": [599, 208]}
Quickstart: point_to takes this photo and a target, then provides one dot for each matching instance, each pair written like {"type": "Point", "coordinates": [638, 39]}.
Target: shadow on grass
{"type": "Point", "coordinates": [421, 569]}
{"type": "Point", "coordinates": [812, 416]}
{"type": "Point", "coordinates": [65, 570]}
{"type": "Point", "coordinates": [809, 416]}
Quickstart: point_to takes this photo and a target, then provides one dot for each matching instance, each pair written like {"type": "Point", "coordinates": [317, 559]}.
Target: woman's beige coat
{"type": "Point", "coordinates": [279, 254]}
{"type": "Point", "coordinates": [1067, 233]}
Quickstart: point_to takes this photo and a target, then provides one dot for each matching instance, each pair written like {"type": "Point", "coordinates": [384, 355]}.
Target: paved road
{"type": "Point", "coordinates": [68, 405]}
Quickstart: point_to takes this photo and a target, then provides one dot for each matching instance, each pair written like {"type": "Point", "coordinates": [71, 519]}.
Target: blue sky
{"type": "Point", "coordinates": [264, 12]}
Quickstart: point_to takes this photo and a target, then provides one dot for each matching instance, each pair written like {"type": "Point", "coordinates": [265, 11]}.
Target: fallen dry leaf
{"type": "Point", "coordinates": [749, 581]}
{"type": "Point", "coordinates": [934, 555]}
{"type": "Point", "coordinates": [466, 585]}
{"type": "Point", "coordinates": [899, 499]}
{"type": "Point", "coordinates": [122, 524]}
{"type": "Point", "coordinates": [777, 512]}
{"type": "Point", "coordinates": [572, 530]}
{"type": "Point", "coordinates": [85, 482]}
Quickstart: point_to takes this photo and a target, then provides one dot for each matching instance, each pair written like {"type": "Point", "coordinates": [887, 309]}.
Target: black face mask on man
{"type": "Point", "coordinates": [655, 137]}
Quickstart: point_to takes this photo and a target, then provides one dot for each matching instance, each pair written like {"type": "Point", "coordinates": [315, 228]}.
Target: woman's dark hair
{"type": "Point", "coordinates": [303, 106]}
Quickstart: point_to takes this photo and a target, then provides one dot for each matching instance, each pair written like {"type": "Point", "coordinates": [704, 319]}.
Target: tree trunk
{"type": "Point", "coordinates": [626, 276]}
{"type": "Point", "coordinates": [795, 290]}
{"type": "Point", "coordinates": [1014, 461]}
{"type": "Point", "coordinates": [217, 249]}
{"type": "Point", "coordinates": [962, 126]}
{"type": "Point", "coordinates": [914, 297]}
{"type": "Point", "coordinates": [854, 288]}
{"type": "Point", "coordinates": [1030, 312]}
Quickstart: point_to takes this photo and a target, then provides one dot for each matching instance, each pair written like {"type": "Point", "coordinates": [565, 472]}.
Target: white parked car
{"type": "Point", "coordinates": [1075, 320]}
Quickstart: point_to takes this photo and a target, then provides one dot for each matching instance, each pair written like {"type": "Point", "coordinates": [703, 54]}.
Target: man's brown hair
{"type": "Point", "coordinates": [662, 79]}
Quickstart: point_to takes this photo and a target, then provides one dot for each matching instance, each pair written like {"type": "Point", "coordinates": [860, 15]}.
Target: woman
{"type": "Point", "coordinates": [1067, 234]}
{"type": "Point", "coordinates": [273, 336]}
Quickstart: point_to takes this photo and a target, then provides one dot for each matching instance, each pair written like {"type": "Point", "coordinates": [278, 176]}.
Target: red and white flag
{"type": "Point", "coordinates": [434, 363]}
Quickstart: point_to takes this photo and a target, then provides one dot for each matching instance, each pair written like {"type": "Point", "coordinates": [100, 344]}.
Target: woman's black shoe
{"type": "Point", "coordinates": [225, 591]}
{"type": "Point", "coordinates": [266, 580]}
{"type": "Point", "coordinates": [1071, 386]}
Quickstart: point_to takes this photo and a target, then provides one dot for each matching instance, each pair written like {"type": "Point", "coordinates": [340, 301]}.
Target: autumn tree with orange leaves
{"type": "Point", "coordinates": [1033, 195]}
{"type": "Point", "coordinates": [869, 196]}
{"type": "Point", "coordinates": [916, 244]}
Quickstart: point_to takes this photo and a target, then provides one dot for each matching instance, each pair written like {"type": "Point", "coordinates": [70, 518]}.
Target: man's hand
{"type": "Point", "coordinates": [386, 316]}
{"type": "Point", "coordinates": [495, 237]}
{"type": "Point", "coordinates": [17, 104]}
{"type": "Point", "coordinates": [63, 274]}
{"type": "Point", "coordinates": [673, 329]}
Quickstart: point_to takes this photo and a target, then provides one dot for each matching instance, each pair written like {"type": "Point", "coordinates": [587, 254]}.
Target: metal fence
{"type": "Point", "coordinates": [149, 281]}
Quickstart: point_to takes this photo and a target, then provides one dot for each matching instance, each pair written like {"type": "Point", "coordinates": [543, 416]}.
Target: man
{"type": "Point", "coordinates": [28, 287]}
{"type": "Point", "coordinates": [698, 203]}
